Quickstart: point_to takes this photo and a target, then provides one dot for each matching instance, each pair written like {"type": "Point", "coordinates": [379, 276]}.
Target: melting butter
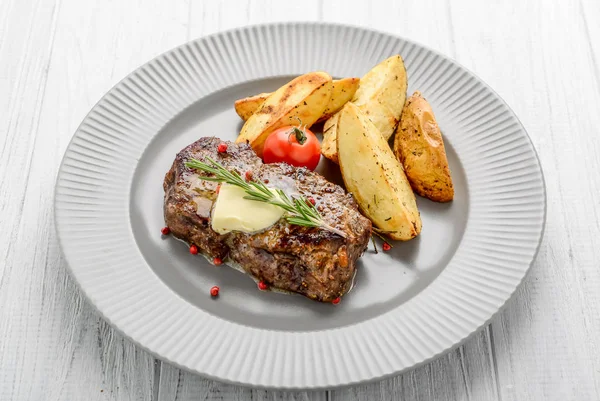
{"type": "Point", "coordinates": [234, 213]}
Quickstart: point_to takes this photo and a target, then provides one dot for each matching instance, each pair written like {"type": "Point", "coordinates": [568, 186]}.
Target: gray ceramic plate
{"type": "Point", "coordinates": [408, 306]}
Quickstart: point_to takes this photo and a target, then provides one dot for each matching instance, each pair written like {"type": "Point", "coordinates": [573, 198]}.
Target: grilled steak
{"type": "Point", "coordinates": [310, 261]}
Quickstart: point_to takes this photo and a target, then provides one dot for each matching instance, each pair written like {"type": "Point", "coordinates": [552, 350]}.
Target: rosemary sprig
{"type": "Point", "coordinates": [378, 234]}
{"type": "Point", "coordinates": [380, 231]}
{"type": "Point", "coordinates": [299, 211]}
{"type": "Point", "coordinates": [374, 244]}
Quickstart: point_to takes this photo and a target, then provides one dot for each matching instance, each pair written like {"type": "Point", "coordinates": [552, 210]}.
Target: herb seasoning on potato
{"type": "Point", "coordinates": [374, 176]}
{"type": "Point", "coordinates": [342, 90]}
{"type": "Point", "coordinates": [419, 146]}
{"type": "Point", "coordinates": [304, 98]}
{"type": "Point", "coordinates": [380, 96]}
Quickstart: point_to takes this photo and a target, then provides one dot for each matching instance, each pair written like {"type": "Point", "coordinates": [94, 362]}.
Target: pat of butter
{"type": "Point", "coordinates": [234, 213]}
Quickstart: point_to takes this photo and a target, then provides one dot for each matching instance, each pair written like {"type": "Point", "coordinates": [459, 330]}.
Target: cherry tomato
{"type": "Point", "coordinates": [297, 146]}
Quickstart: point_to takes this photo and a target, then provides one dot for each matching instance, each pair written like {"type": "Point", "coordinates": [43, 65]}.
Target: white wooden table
{"type": "Point", "coordinates": [57, 58]}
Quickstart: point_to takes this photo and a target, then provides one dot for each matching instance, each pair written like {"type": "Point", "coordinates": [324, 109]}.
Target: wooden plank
{"type": "Point", "coordinates": [209, 17]}
{"type": "Point", "coordinates": [28, 34]}
{"type": "Point", "coordinates": [542, 64]}
{"type": "Point", "coordinates": [62, 56]}
{"type": "Point", "coordinates": [179, 385]}
{"type": "Point", "coordinates": [462, 374]}
{"type": "Point", "coordinates": [542, 58]}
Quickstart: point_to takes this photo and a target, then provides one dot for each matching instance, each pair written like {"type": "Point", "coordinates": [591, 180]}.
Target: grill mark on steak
{"type": "Point", "coordinates": [310, 261]}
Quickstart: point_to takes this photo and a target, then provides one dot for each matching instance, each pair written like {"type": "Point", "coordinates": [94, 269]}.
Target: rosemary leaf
{"type": "Point", "coordinates": [299, 211]}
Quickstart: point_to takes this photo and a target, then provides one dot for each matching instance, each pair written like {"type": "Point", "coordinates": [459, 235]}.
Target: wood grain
{"type": "Point", "coordinates": [176, 384]}
{"type": "Point", "coordinates": [57, 57]}
{"type": "Point", "coordinates": [60, 61]}
{"type": "Point", "coordinates": [547, 338]}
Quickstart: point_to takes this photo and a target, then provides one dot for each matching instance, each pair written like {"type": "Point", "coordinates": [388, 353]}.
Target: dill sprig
{"type": "Point", "coordinates": [299, 211]}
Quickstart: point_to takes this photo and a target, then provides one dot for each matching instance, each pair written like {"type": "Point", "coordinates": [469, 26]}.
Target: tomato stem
{"type": "Point", "coordinates": [299, 133]}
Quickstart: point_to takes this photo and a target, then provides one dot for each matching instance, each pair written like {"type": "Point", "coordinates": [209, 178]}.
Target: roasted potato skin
{"type": "Point", "coordinates": [247, 106]}
{"type": "Point", "coordinates": [329, 143]}
{"type": "Point", "coordinates": [342, 90]}
{"type": "Point", "coordinates": [302, 99]}
{"type": "Point", "coordinates": [419, 146]}
{"type": "Point", "coordinates": [375, 177]}
{"type": "Point", "coordinates": [346, 88]}
{"type": "Point", "coordinates": [380, 96]}
{"type": "Point", "coordinates": [382, 93]}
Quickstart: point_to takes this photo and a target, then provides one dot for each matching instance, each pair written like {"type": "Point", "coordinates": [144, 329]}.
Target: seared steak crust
{"type": "Point", "coordinates": [310, 261]}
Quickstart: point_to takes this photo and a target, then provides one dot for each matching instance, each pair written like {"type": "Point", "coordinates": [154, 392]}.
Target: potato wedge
{"type": "Point", "coordinates": [382, 93]}
{"type": "Point", "coordinates": [419, 146]}
{"type": "Point", "coordinates": [375, 177]}
{"type": "Point", "coordinates": [247, 106]}
{"type": "Point", "coordinates": [341, 92]}
{"type": "Point", "coordinates": [329, 143]}
{"type": "Point", "coordinates": [380, 96]}
{"type": "Point", "coordinates": [304, 98]}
